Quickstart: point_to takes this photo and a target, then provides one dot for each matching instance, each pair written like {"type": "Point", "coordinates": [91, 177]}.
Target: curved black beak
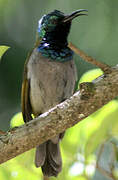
{"type": "Point", "coordinates": [74, 14]}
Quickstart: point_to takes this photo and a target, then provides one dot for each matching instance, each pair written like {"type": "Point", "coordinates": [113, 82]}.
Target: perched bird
{"type": "Point", "coordinates": [49, 79]}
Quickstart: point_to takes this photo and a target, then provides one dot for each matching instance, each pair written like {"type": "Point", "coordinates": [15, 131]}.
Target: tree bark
{"type": "Point", "coordinates": [90, 98]}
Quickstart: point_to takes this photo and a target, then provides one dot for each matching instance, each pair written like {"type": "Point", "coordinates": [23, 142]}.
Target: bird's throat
{"type": "Point", "coordinates": [55, 51]}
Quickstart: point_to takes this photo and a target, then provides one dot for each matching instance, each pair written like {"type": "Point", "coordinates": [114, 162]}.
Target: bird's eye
{"type": "Point", "coordinates": [53, 21]}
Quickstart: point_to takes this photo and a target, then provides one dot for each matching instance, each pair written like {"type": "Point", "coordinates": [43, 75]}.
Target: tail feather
{"type": "Point", "coordinates": [48, 157]}
{"type": "Point", "coordinates": [53, 162]}
{"type": "Point", "coordinates": [40, 155]}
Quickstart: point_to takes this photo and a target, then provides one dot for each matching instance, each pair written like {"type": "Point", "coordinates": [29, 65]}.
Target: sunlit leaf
{"type": "Point", "coordinates": [3, 49]}
{"type": "Point", "coordinates": [17, 120]}
{"type": "Point", "coordinates": [91, 75]}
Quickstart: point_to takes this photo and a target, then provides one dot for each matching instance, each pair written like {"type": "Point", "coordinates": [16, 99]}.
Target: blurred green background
{"type": "Point", "coordinates": [95, 34]}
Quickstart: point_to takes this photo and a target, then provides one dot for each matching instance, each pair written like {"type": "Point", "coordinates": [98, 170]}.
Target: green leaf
{"type": "Point", "coordinates": [17, 120]}
{"type": "Point", "coordinates": [3, 49]}
{"type": "Point", "coordinates": [107, 116]}
{"type": "Point", "coordinates": [91, 75]}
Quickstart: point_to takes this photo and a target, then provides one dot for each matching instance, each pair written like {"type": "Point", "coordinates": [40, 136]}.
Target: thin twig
{"type": "Point", "coordinates": [45, 178]}
{"type": "Point", "coordinates": [99, 154]}
{"type": "Point", "coordinates": [113, 157]}
{"type": "Point", "coordinates": [105, 68]}
{"type": "Point", "coordinates": [2, 132]}
{"type": "Point", "coordinates": [102, 170]}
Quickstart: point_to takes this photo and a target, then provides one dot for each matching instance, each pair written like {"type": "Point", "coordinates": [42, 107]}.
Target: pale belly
{"type": "Point", "coordinates": [50, 84]}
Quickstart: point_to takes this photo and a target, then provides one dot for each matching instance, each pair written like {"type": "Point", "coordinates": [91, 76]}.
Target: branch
{"type": "Point", "coordinates": [105, 68]}
{"type": "Point", "coordinates": [90, 98]}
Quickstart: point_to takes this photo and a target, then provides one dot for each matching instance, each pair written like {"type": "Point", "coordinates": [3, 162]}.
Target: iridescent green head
{"type": "Point", "coordinates": [53, 30]}
{"type": "Point", "coordinates": [57, 25]}
{"type": "Point", "coordinates": [49, 22]}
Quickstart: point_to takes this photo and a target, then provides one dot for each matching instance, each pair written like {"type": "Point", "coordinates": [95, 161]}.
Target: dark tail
{"type": "Point", "coordinates": [48, 156]}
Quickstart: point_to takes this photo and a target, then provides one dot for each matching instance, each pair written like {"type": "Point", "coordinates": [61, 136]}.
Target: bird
{"type": "Point", "coordinates": [49, 78]}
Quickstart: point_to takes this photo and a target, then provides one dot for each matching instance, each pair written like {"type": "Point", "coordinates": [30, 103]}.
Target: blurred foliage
{"type": "Point", "coordinates": [3, 49]}
{"type": "Point", "coordinates": [97, 36]}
